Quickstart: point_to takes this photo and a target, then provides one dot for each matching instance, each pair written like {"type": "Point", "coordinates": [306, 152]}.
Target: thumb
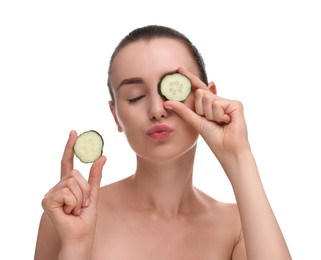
{"type": "Point", "coordinates": [185, 112]}
{"type": "Point", "coordinates": [95, 176]}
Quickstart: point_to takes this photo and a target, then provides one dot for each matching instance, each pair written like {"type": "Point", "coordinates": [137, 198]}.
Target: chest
{"type": "Point", "coordinates": [141, 237]}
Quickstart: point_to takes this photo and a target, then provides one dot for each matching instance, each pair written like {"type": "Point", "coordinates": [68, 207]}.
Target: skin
{"type": "Point", "coordinates": [157, 213]}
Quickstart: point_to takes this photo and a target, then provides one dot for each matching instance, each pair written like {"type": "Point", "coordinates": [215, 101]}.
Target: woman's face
{"type": "Point", "coordinates": [153, 132]}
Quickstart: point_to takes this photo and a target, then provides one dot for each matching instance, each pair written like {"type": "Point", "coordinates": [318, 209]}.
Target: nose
{"type": "Point", "coordinates": [156, 107]}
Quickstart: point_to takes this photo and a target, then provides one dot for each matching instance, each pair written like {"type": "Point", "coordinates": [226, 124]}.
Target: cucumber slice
{"type": "Point", "coordinates": [89, 146]}
{"type": "Point", "coordinates": [175, 86]}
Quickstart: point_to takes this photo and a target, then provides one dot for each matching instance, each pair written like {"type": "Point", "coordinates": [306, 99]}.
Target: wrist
{"type": "Point", "coordinates": [78, 250]}
{"type": "Point", "coordinates": [238, 163]}
{"type": "Point", "coordinates": [229, 158]}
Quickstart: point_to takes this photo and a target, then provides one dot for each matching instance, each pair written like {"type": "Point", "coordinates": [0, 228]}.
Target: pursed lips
{"type": "Point", "coordinates": [159, 132]}
{"type": "Point", "coordinates": [158, 128]}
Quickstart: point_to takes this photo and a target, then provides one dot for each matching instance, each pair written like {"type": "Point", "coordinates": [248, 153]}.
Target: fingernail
{"type": "Point", "coordinates": [168, 107]}
{"type": "Point", "coordinates": [105, 159]}
{"type": "Point", "coordinates": [78, 211]}
{"type": "Point", "coordinates": [87, 202]}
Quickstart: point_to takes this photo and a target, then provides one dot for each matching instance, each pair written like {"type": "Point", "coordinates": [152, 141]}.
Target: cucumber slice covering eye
{"type": "Point", "coordinates": [89, 146]}
{"type": "Point", "coordinates": [175, 86]}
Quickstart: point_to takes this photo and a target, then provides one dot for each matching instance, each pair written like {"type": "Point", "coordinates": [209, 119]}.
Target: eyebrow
{"type": "Point", "coordinates": [137, 80]}
{"type": "Point", "coordinates": [130, 81]}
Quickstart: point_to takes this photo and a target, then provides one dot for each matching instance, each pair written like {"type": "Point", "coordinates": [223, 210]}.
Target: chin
{"type": "Point", "coordinates": [167, 152]}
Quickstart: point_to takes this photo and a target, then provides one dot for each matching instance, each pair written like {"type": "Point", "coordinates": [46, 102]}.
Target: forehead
{"type": "Point", "coordinates": [151, 58]}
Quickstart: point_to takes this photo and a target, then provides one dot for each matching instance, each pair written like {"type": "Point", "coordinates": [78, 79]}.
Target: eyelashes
{"type": "Point", "coordinates": [134, 100]}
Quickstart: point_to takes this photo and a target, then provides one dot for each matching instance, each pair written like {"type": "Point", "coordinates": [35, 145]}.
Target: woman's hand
{"type": "Point", "coordinates": [218, 120]}
{"type": "Point", "coordinates": [72, 204]}
{"type": "Point", "coordinates": [222, 125]}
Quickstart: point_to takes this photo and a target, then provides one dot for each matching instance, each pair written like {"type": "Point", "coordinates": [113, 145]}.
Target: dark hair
{"type": "Point", "coordinates": [156, 31]}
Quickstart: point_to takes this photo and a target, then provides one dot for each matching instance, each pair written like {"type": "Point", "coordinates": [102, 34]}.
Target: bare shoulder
{"type": "Point", "coordinates": [114, 191]}
{"type": "Point", "coordinates": [219, 210]}
{"type": "Point", "coordinates": [115, 195]}
{"type": "Point", "coordinates": [214, 204]}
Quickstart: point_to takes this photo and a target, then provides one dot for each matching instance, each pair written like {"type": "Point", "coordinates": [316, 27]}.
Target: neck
{"type": "Point", "coordinates": [166, 188]}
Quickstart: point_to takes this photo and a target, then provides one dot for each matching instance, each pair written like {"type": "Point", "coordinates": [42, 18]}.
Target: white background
{"type": "Point", "coordinates": [53, 62]}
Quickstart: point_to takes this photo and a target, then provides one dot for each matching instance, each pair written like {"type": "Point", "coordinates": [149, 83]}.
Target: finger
{"type": "Point", "coordinates": [83, 188]}
{"type": "Point", "coordinates": [196, 82]}
{"type": "Point", "coordinates": [58, 199]}
{"type": "Point", "coordinates": [69, 201]}
{"type": "Point", "coordinates": [203, 102]}
{"type": "Point", "coordinates": [78, 185]}
{"type": "Point", "coordinates": [212, 107]}
{"type": "Point", "coordinates": [208, 109]}
{"type": "Point", "coordinates": [67, 161]}
{"type": "Point", "coordinates": [199, 103]}
{"type": "Point", "coordinates": [186, 113]}
{"type": "Point", "coordinates": [75, 177]}
{"type": "Point", "coordinates": [95, 176]}
{"type": "Point", "coordinates": [219, 112]}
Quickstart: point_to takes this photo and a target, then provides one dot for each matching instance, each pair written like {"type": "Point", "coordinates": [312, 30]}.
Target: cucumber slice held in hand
{"type": "Point", "coordinates": [89, 146]}
{"type": "Point", "coordinates": [175, 86]}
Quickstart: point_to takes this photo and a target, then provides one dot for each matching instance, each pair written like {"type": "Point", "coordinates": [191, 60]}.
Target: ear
{"type": "Point", "coordinates": [112, 110]}
{"type": "Point", "coordinates": [212, 87]}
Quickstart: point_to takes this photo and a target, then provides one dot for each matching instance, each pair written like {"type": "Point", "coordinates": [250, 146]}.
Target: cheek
{"type": "Point", "coordinates": [127, 125]}
{"type": "Point", "coordinates": [125, 116]}
{"type": "Point", "coordinates": [189, 135]}
{"type": "Point", "coordinates": [130, 122]}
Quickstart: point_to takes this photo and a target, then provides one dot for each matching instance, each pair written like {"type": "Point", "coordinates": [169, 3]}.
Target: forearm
{"type": "Point", "coordinates": [262, 235]}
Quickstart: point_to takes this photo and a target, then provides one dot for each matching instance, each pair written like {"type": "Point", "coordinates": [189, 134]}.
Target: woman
{"type": "Point", "coordinates": [157, 213]}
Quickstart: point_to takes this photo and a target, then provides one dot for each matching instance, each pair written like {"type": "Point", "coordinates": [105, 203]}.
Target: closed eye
{"type": "Point", "coordinates": [134, 100]}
